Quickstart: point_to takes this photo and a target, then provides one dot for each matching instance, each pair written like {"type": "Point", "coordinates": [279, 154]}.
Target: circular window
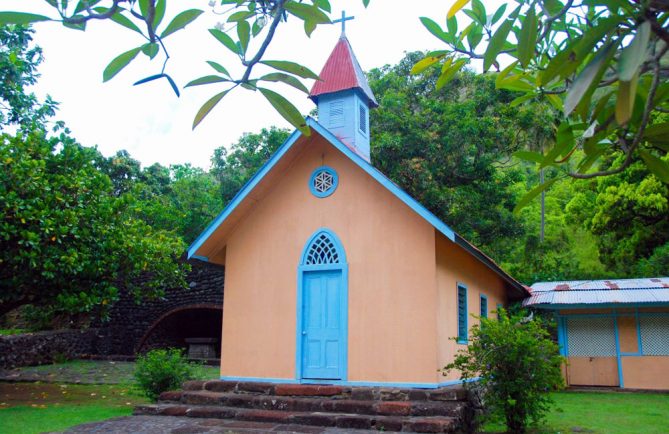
{"type": "Point", "coordinates": [323, 181]}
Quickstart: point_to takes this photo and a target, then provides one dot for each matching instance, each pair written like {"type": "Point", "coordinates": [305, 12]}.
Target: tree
{"type": "Point", "coordinates": [602, 64]}
{"type": "Point", "coordinates": [18, 70]}
{"type": "Point", "coordinates": [234, 167]}
{"type": "Point", "coordinates": [448, 148]}
{"type": "Point", "coordinates": [250, 19]}
{"type": "Point", "coordinates": [68, 237]}
{"type": "Point", "coordinates": [628, 214]}
{"type": "Point", "coordinates": [66, 241]}
{"type": "Point", "coordinates": [517, 364]}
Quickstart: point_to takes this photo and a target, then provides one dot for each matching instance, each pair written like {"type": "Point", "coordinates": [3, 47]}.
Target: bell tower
{"type": "Point", "coordinates": [344, 97]}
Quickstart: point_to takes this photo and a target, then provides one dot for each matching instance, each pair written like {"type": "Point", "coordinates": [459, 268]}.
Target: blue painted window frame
{"type": "Point", "coordinates": [302, 269]}
{"type": "Point", "coordinates": [461, 300]}
{"type": "Point", "coordinates": [483, 305]}
{"type": "Point", "coordinates": [328, 192]}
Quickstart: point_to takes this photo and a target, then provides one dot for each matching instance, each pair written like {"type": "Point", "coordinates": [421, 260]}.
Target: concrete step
{"type": "Point", "coordinates": [317, 404]}
{"type": "Point", "coordinates": [405, 423]}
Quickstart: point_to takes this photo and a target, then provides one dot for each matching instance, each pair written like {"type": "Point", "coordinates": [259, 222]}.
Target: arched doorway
{"type": "Point", "coordinates": [186, 326]}
{"type": "Point", "coordinates": [322, 306]}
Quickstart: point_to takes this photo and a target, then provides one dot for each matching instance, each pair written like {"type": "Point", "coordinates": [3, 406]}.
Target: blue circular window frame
{"type": "Point", "coordinates": [329, 191]}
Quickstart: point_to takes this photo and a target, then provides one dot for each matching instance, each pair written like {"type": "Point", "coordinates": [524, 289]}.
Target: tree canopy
{"type": "Point", "coordinates": [69, 236]}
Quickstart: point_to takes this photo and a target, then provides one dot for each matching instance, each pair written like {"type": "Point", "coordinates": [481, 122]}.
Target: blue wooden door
{"type": "Point", "coordinates": [323, 334]}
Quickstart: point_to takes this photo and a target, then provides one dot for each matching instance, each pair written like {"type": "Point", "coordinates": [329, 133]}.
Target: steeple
{"type": "Point", "coordinates": [344, 98]}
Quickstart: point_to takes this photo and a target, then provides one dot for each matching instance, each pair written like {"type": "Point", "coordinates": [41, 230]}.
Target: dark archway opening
{"type": "Point", "coordinates": [192, 329]}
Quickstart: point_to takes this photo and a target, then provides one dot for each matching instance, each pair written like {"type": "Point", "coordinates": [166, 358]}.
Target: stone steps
{"type": "Point", "coordinates": [417, 424]}
{"type": "Point", "coordinates": [369, 408]}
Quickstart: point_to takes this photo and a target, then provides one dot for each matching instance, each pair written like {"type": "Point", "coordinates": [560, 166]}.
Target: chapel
{"type": "Point", "coordinates": [334, 274]}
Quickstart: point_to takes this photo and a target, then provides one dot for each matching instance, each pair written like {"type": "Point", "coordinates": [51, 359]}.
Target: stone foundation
{"type": "Point", "coordinates": [40, 348]}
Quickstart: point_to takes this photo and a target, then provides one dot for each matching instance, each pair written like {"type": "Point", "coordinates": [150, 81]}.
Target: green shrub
{"type": "Point", "coordinates": [517, 364]}
{"type": "Point", "coordinates": [161, 370]}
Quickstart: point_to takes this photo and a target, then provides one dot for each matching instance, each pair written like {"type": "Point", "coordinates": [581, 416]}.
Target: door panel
{"type": "Point", "coordinates": [323, 337]}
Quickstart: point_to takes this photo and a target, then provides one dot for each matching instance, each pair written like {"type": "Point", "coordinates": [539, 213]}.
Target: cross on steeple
{"type": "Point", "coordinates": [343, 20]}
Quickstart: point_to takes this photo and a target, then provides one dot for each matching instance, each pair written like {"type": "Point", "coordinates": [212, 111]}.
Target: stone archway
{"type": "Point", "coordinates": [174, 328]}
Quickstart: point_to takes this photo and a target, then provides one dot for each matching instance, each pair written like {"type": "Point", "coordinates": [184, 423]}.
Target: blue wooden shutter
{"type": "Point", "coordinates": [484, 306]}
{"type": "Point", "coordinates": [462, 314]}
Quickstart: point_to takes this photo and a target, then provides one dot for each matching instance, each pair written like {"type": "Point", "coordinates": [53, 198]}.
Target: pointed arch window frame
{"type": "Point", "coordinates": [304, 268]}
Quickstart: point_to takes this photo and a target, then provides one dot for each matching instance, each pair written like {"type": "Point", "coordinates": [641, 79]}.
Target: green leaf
{"type": "Point", "coordinates": [180, 21]}
{"type": "Point", "coordinates": [532, 194]}
{"type": "Point", "coordinates": [498, 14]}
{"type": "Point", "coordinates": [120, 62]}
{"type": "Point", "coordinates": [144, 7]}
{"type": "Point", "coordinates": [244, 34]}
{"type": "Point", "coordinates": [285, 78]}
{"type": "Point", "coordinates": [657, 166]}
{"type": "Point", "coordinates": [119, 18]}
{"type": "Point", "coordinates": [307, 12]}
{"type": "Point", "coordinates": [569, 59]}
{"type": "Point", "coordinates": [452, 25]}
{"type": "Point", "coordinates": [625, 100]}
{"type": "Point", "coordinates": [521, 99]}
{"type": "Point", "coordinates": [459, 4]}
{"type": "Point", "coordinates": [528, 38]}
{"type": "Point", "coordinates": [207, 107]}
{"type": "Point", "coordinates": [365, 3]}
{"type": "Point", "coordinates": [425, 63]}
{"type": "Point", "coordinates": [150, 49]}
{"type": "Point", "coordinates": [533, 157]}
{"type": "Point", "coordinates": [240, 16]}
{"type": "Point", "coordinates": [286, 109]}
{"type": "Point", "coordinates": [207, 79]}
{"type": "Point", "coordinates": [436, 30]}
{"type": "Point", "coordinates": [448, 73]}
{"type": "Point", "coordinates": [325, 5]}
{"type": "Point", "coordinates": [498, 39]}
{"type": "Point", "coordinates": [225, 39]}
{"type": "Point", "coordinates": [586, 79]}
{"type": "Point", "coordinates": [218, 67]}
{"type": "Point", "coordinates": [292, 67]}
{"type": "Point", "coordinates": [21, 18]}
{"type": "Point", "coordinates": [634, 54]}
{"type": "Point", "coordinates": [657, 133]}
{"type": "Point", "coordinates": [159, 13]}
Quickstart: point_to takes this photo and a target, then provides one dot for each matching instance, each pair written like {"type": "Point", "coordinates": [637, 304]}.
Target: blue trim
{"type": "Point", "coordinates": [638, 332]}
{"type": "Point", "coordinates": [301, 270]}
{"type": "Point", "coordinates": [243, 192]}
{"type": "Point", "coordinates": [613, 314]}
{"type": "Point", "coordinates": [350, 383]}
{"type": "Point", "coordinates": [201, 258]}
{"type": "Point", "coordinates": [483, 299]}
{"type": "Point", "coordinates": [462, 320]}
{"type": "Point", "coordinates": [561, 335]}
{"type": "Point", "coordinates": [381, 178]}
{"type": "Point", "coordinates": [331, 190]}
{"type": "Point", "coordinates": [621, 382]}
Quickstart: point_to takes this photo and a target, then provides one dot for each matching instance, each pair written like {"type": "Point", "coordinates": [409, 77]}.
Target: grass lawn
{"type": "Point", "coordinates": [604, 412]}
{"type": "Point", "coordinates": [7, 332]}
{"type": "Point", "coordinates": [27, 408]}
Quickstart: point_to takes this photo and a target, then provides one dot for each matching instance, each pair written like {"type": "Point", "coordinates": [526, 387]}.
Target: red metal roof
{"type": "Point", "coordinates": [342, 72]}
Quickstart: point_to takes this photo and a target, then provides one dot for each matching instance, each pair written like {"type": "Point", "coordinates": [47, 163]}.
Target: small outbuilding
{"type": "Point", "coordinates": [333, 273]}
{"type": "Point", "coordinates": [613, 332]}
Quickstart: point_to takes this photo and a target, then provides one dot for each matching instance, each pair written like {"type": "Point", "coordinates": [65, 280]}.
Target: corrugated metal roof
{"type": "Point", "coordinates": [589, 285]}
{"type": "Point", "coordinates": [614, 291]}
{"type": "Point", "coordinates": [342, 72]}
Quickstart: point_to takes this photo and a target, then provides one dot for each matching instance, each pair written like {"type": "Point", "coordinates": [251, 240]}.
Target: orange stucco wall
{"type": "Point", "coordinates": [454, 266]}
{"type": "Point", "coordinates": [392, 289]}
{"type": "Point", "coordinates": [638, 371]}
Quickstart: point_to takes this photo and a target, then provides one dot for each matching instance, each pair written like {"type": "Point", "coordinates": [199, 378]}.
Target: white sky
{"type": "Point", "coordinates": [153, 124]}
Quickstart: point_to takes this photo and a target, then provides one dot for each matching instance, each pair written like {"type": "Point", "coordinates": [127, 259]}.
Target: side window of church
{"type": "Point", "coordinates": [462, 314]}
{"type": "Point", "coordinates": [363, 119]}
{"type": "Point", "coordinates": [336, 113]}
{"type": "Point", "coordinates": [484, 306]}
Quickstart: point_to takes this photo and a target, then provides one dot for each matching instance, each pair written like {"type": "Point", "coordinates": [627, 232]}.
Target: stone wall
{"type": "Point", "coordinates": [131, 324]}
{"type": "Point", "coordinates": [39, 348]}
